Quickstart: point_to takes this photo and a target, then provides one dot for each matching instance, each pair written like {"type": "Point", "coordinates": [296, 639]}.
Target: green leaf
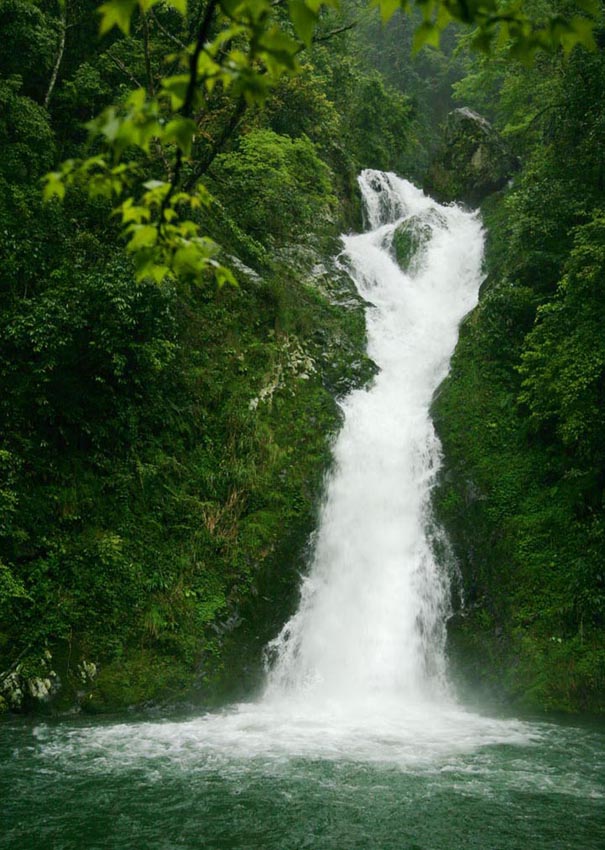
{"type": "Point", "coordinates": [116, 13]}
{"type": "Point", "coordinates": [155, 184]}
{"type": "Point", "coordinates": [224, 275]}
{"type": "Point", "coordinates": [181, 131]}
{"type": "Point", "coordinates": [133, 213]}
{"type": "Point", "coordinates": [147, 266]}
{"type": "Point", "coordinates": [427, 33]}
{"type": "Point", "coordinates": [207, 68]}
{"type": "Point", "coordinates": [589, 6]}
{"type": "Point", "coordinates": [188, 260]}
{"type": "Point", "coordinates": [444, 17]}
{"type": "Point", "coordinates": [224, 36]}
{"type": "Point", "coordinates": [280, 47]}
{"type": "Point", "coordinates": [176, 88]}
{"type": "Point", "coordinates": [143, 236]}
{"type": "Point", "coordinates": [231, 7]}
{"type": "Point", "coordinates": [253, 85]}
{"type": "Point", "coordinates": [158, 272]}
{"type": "Point", "coordinates": [303, 19]}
{"type": "Point", "coordinates": [387, 8]}
{"type": "Point", "coordinates": [427, 7]}
{"type": "Point", "coordinates": [580, 32]}
{"type": "Point", "coordinates": [109, 124]}
{"type": "Point", "coordinates": [202, 195]}
{"type": "Point", "coordinates": [256, 10]}
{"type": "Point", "coordinates": [54, 187]}
{"type": "Point", "coordinates": [100, 186]}
{"type": "Point", "coordinates": [136, 99]}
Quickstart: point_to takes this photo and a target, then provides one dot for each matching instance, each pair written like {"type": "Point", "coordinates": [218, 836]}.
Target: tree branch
{"type": "Point", "coordinates": [147, 54]}
{"type": "Point", "coordinates": [166, 32]}
{"type": "Point", "coordinates": [187, 107]}
{"type": "Point", "coordinates": [124, 69]}
{"type": "Point", "coordinates": [229, 129]}
{"type": "Point", "coordinates": [332, 33]}
{"type": "Point", "coordinates": [59, 59]}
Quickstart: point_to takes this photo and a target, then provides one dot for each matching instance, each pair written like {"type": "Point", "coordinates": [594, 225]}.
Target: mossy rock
{"type": "Point", "coordinates": [409, 238]}
{"type": "Point", "coordinates": [528, 671]}
{"type": "Point", "coordinates": [472, 162]}
{"type": "Point", "coordinates": [139, 679]}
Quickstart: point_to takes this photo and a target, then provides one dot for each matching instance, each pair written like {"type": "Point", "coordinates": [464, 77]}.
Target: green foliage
{"type": "Point", "coordinates": [245, 59]}
{"type": "Point", "coordinates": [424, 77]}
{"type": "Point", "coordinates": [274, 186]}
{"type": "Point", "coordinates": [377, 122]}
{"type": "Point", "coordinates": [10, 588]}
{"type": "Point", "coordinates": [301, 105]}
{"type": "Point", "coordinates": [137, 680]}
{"type": "Point", "coordinates": [32, 37]}
{"type": "Point", "coordinates": [242, 48]}
{"type": "Point", "coordinates": [521, 415]}
{"type": "Point", "coordinates": [563, 362]}
{"type": "Point", "coordinates": [525, 28]}
{"type": "Point", "coordinates": [408, 241]}
{"type": "Point", "coordinates": [26, 137]}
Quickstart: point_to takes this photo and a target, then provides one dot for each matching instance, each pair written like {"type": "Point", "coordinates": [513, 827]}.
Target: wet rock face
{"type": "Point", "coordinates": [21, 691]}
{"type": "Point", "coordinates": [472, 162]}
{"type": "Point", "coordinates": [411, 238]}
{"type": "Point", "coordinates": [13, 691]}
{"type": "Point", "coordinates": [33, 685]}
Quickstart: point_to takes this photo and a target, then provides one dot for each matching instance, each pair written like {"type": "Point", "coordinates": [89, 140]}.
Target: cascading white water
{"type": "Point", "coordinates": [373, 607]}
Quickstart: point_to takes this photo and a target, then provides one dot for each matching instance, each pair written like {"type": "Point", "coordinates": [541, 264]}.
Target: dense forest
{"type": "Point", "coordinates": [521, 415]}
{"type": "Point", "coordinates": [172, 353]}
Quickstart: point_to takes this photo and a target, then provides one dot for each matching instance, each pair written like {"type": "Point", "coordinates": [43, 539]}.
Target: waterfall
{"type": "Point", "coordinates": [358, 673]}
{"type": "Point", "coordinates": [371, 619]}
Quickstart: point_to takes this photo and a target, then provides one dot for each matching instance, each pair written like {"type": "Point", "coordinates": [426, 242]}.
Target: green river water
{"type": "Point", "coordinates": [173, 783]}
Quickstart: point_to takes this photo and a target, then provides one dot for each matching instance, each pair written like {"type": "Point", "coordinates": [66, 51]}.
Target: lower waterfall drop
{"type": "Point", "coordinates": [371, 620]}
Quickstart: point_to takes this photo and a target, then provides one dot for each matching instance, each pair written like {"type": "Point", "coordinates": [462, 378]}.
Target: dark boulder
{"type": "Point", "coordinates": [472, 162]}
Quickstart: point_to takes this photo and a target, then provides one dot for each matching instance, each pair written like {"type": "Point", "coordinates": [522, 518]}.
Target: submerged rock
{"type": "Point", "coordinates": [39, 688]}
{"type": "Point", "coordinates": [410, 238]}
{"type": "Point", "coordinates": [13, 690]}
{"type": "Point", "coordinates": [87, 671]}
{"type": "Point", "coordinates": [30, 685]}
{"type": "Point", "coordinates": [472, 162]}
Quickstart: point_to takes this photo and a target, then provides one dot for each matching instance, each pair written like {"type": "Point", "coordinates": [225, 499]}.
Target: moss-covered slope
{"type": "Point", "coordinates": [524, 515]}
